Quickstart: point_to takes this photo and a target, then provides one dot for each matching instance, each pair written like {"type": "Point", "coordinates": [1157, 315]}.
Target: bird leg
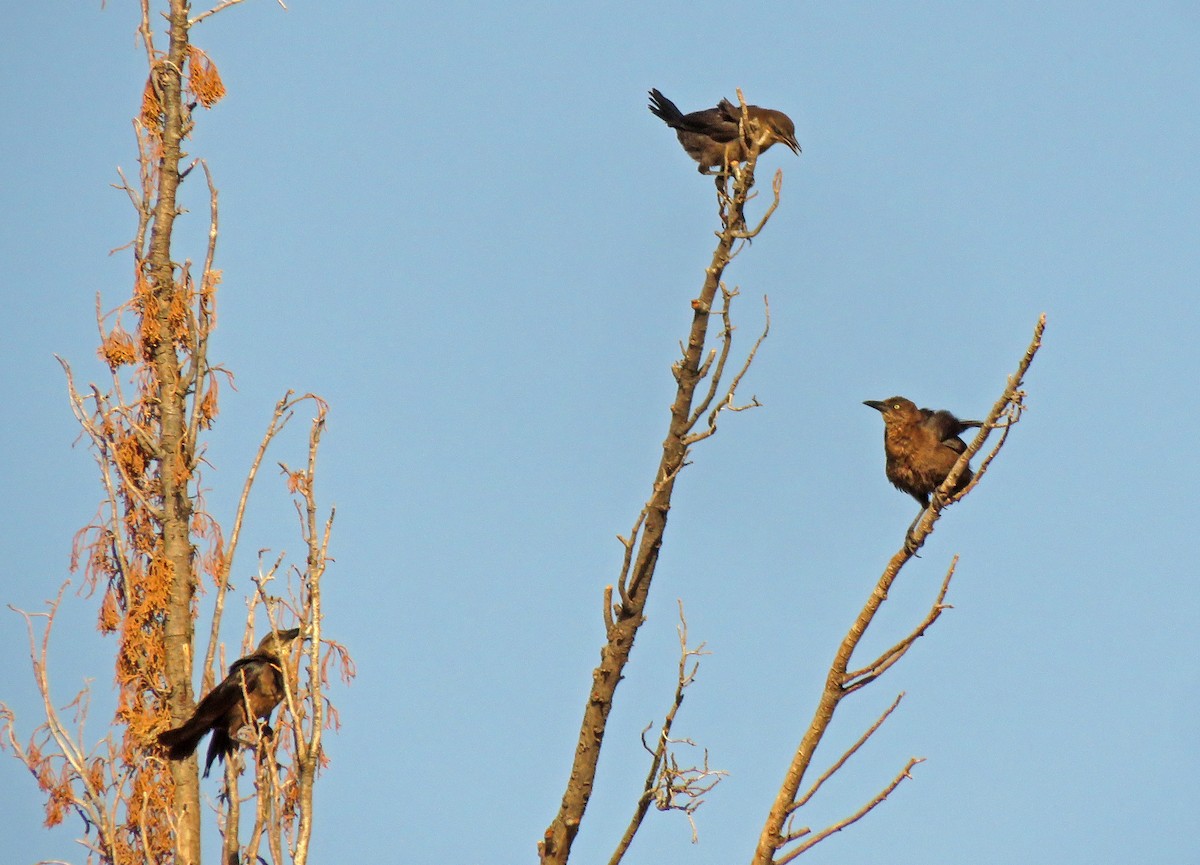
{"type": "Point", "coordinates": [252, 734]}
{"type": "Point", "coordinates": [909, 543]}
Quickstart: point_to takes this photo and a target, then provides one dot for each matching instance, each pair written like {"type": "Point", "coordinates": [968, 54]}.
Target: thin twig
{"type": "Point", "coordinates": [1012, 398]}
{"type": "Point", "coordinates": [855, 817]}
{"type": "Point", "coordinates": [279, 419]}
{"type": "Point", "coordinates": [662, 785]}
{"type": "Point", "coordinates": [850, 752]}
{"type": "Point", "coordinates": [872, 671]}
{"type": "Point", "coordinates": [644, 543]}
{"type": "Point", "coordinates": [836, 685]}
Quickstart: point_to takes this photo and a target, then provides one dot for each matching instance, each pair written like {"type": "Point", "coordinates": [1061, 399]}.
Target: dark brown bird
{"type": "Point", "coordinates": [713, 136]}
{"type": "Point", "coordinates": [921, 446]}
{"type": "Point", "coordinates": [257, 680]}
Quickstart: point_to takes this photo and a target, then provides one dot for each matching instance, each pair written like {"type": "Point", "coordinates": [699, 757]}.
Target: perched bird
{"type": "Point", "coordinates": [713, 136]}
{"type": "Point", "coordinates": [921, 446]}
{"type": "Point", "coordinates": [255, 682]}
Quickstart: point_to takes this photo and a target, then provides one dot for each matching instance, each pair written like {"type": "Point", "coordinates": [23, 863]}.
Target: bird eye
{"type": "Point", "coordinates": [896, 405]}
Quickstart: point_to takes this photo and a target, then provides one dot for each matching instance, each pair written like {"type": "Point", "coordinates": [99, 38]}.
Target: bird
{"type": "Point", "coordinates": [254, 683]}
{"type": "Point", "coordinates": [713, 137]}
{"type": "Point", "coordinates": [921, 446]}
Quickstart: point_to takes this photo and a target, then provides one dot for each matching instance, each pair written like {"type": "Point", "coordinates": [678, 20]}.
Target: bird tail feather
{"type": "Point", "coordinates": [664, 109]}
{"type": "Point", "coordinates": [182, 741]}
{"type": "Point", "coordinates": [220, 745]}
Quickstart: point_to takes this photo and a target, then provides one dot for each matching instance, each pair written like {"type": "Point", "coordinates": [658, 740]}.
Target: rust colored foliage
{"type": "Point", "coordinates": [151, 113]}
{"type": "Point", "coordinates": [145, 304]}
{"type": "Point", "coordinates": [117, 349]}
{"type": "Point", "coordinates": [297, 482]}
{"type": "Point", "coordinates": [110, 616]}
{"type": "Point", "coordinates": [208, 409]}
{"type": "Point", "coordinates": [208, 289]}
{"type": "Point", "coordinates": [203, 79]}
{"type": "Point", "coordinates": [131, 456]}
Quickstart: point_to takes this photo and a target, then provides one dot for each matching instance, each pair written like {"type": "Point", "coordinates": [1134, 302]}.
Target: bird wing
{"type": "Point", "coordinates": [216, 707]}
{"type": "Point", "coordinates": [217, 702]}
{"type": "Point", "coordinates": [251, 667]}
{"type": "Point", "coordinates": [946, 426]}
{"type": "Point", "coordinates": [955, 444]}
{"type": "Point", "coordinates": [720, 123]}
{"type": "Point", "coordinates": [210, 713]}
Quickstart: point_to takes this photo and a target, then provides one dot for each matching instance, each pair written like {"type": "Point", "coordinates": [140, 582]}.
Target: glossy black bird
{"type": "Point", "coordinates": [256, 680]}
{"type": "Point", "coordinates": [713, 138]}
{"type": "Point", "coordinates": [921, 446]}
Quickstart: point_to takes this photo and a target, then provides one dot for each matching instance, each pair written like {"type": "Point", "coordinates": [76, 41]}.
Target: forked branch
{"type": "Point", "coordinates": [71, 777]}
{"type": "Point", "coordinates": [668, 785]}
{"type": "Point", "coordinates": [1004, 415]}
{"type": "Point", "coordinates": [849, 752]}
{"type": "Point", "coordinates": [841, 681]}
{"type": "Point", "coordinates": [623, 614]}
{"type": "Point", "coordinates": [817, 838]}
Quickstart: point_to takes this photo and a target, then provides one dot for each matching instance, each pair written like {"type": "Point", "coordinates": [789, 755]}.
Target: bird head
{"type": "Point", "coordinates": [773, 126]}
{"type": "Point", "coordinates": [279, 641]}
{"type": "Point", "coordinates": [893, 408]}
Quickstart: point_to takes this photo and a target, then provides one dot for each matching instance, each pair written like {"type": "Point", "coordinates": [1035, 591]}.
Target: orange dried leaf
{"type": "Point", "coordinates": [151, 113]}
{"type": "Point", "coordinates": [131, 457]}
{"type": "Point", "coordinates": [160, 573]}
{"type": "Point", "coordinates": [177, 315]}
{"type": "Point", "coordinates": [96, 774]}
{"type": "Point", "coordinates": [117, 349]}
{"type": "Point", "coordinates": [208, 405]}
{"type": "Point", "coordinates": [203, 78]}
{"type": "Point", "coordinates": [54, 812]}
{"type": "Point", "coordinates": [110, 615]}
{"type": "Point", "coordinates": [98, 562]}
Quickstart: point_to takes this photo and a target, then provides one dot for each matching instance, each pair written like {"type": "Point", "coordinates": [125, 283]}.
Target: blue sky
{"type": "Point", "coordinates": [461, 226]}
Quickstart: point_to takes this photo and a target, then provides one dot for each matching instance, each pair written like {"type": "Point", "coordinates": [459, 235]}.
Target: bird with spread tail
{"type": "Point", "coordinates": [713, 137]}
{"type": "Point", "coordinates": [921, 446]}
{"type": "Point", "coordinates": [250, 692]}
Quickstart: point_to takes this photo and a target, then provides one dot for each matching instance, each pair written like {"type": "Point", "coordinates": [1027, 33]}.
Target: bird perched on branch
{"type": "Point", "coordinates": [252, 690]}
{"type": "Point", "coordinates": [921, 446]}
{"type": "Point", "coordinates": [713, 136]}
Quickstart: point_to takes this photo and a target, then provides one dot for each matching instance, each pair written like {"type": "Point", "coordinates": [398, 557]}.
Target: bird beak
{"type": "Point", "coordinates": [878, 405]}
{"type": "Point", "coordinates": [793, 144]}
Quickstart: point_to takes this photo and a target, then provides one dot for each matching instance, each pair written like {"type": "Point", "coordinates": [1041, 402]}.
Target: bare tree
{"type": "Point", "coordinates": [153, 543]}
{"type": "Point", "coordinates": [782, 838]}
{"type": "Point", "coordinates": [694, 416]}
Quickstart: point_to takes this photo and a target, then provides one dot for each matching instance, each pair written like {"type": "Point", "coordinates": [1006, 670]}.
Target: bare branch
{"type": "Point", "coordinates": [220, 7]}
{"type": "Point", "coordinates": [726, 338]}
{"type": "Point", "coordinates": [608, 609]}
{"type": "Point", "coordinates": [667, 785]}
{"type": "Point", "coordinates": [726, 403]}
{"type": "Point", "coordinates": [1011, 406]}
{"type": "Point", "coordinates": [642, 547]}
{"type": "Point", "coordinates": [279, 419]}
{"type": "Point", "coordinates": [872, 671]}
{"type": "Point", "coordinates": [855, 817]}
{"type": "Point", "coordinates": [850, 752]}
{"type": "Point", "coordinates": [839, 683]}
{"type": "Point", "coordinates": [76, 786]}
{"type": "Point", "coordinates": [776, 186]}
